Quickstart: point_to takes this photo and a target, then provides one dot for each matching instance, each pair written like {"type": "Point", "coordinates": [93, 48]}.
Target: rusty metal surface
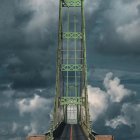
{"type": "Point", "coordinates": [104, 137]}
{"type": "Point", "coordinates": [37, 137]}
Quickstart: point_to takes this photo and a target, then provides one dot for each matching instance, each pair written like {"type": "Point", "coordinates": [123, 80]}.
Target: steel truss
{"type": "Point", "coordinates": [71, 76]}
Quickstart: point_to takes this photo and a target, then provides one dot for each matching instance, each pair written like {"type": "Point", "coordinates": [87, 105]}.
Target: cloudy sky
{"type": "Point", "coordinates": [28, 42]}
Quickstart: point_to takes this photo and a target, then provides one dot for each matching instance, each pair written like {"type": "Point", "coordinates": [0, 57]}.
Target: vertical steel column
{"type": "Point", "coordinates": [58, 63]}
{"type": "Point", "coordinates": [68, 18]}
{"type": "Point", "coordinates": [85, 65]}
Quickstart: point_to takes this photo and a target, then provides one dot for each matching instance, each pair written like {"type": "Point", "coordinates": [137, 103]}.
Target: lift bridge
{"type": "Point", "coordinates": [71, 119]}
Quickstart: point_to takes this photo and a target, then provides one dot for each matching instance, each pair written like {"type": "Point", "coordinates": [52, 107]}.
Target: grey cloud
{"type": "Point", "coordinates": [26, 56]}
{"type": "Point", "coordinates": [110, 17]}
{"type": "Point", "coordinates": [33, 41]}
{"type": "Point", "coordinates": [111, 113]}
{"type": "Point", "coordinates": [39, 108]}
{"type": "Point", "coordinates": [13, 124]}
{"type": "Point", "coordinates": [127, 121]}
{"type": "Point", "coordinates": [138, 8]}
{"type": "Point", "coordinates": [100, 100]}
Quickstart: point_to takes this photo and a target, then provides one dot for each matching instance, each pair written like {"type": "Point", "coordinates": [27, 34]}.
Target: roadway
{"type": "Point", "coordinates": [72, 132]}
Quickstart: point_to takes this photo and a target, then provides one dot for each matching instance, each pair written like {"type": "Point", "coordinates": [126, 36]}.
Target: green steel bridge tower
{"type": "Point", "coordinates": [71, 101]}
{"type": "Point", "coordinates": [71, 119]}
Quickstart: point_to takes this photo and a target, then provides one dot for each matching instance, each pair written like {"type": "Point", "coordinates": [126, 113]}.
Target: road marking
{"type": "Point", "coordinates": [71, 132]}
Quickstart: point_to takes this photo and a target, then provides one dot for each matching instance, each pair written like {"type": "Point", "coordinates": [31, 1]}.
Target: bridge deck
{"type": "Point", "coordinates": [72, 132]}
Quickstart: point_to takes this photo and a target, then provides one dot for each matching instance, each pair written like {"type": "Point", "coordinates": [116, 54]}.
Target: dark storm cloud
{"type": "Point", "coordinates": [26, 53]}
{"type": "Point", "coordinates": [114, 27]}
{"type": "Point", "coordinates": [27, 34]}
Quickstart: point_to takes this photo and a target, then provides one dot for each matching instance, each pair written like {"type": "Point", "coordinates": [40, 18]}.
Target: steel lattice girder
{"type": "Point", "coordinates": [71, 100]}
{"type": "Point", "coordinates": [71, 67]}
{"type": "Point", "coordinates": [72, 35]}
{"type": "Point", "coordinates": [71, 3]}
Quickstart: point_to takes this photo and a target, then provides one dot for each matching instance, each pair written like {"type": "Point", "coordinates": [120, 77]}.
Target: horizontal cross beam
{"type": "Point", "coordinates": [71, 100]}
{"type": "Point", "coordinates": [71, 3]}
